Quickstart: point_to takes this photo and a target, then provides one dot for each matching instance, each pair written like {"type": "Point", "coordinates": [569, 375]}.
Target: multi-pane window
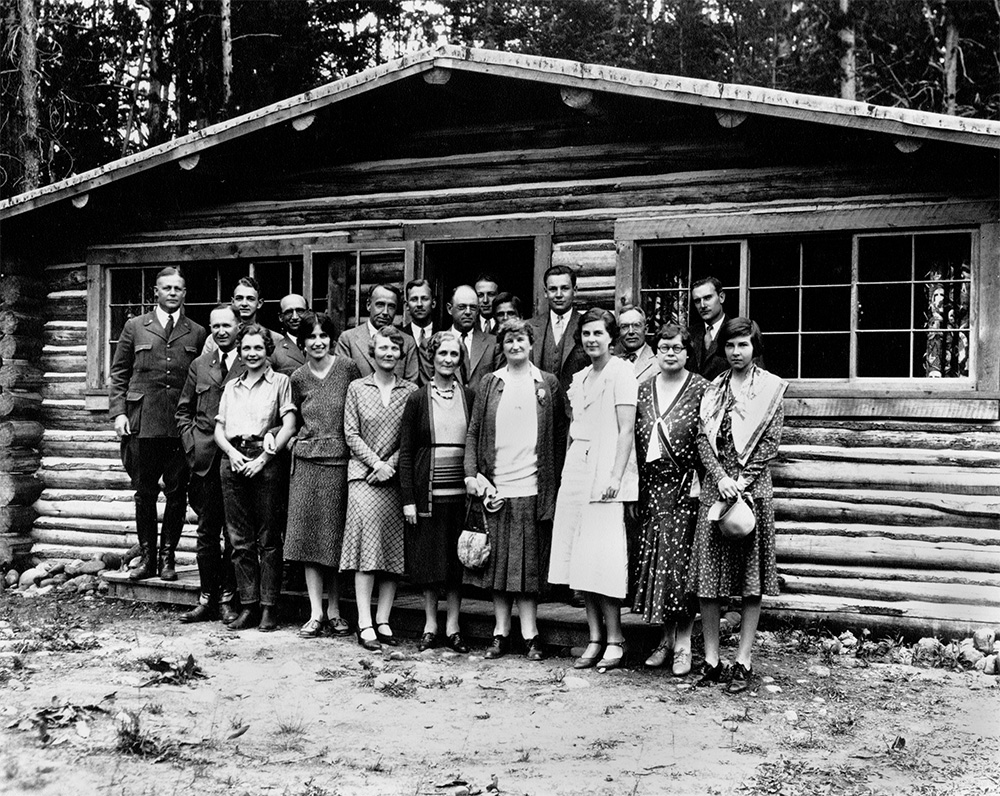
{"type": "Point", "coordinates": [342, 280]}
{"type": "Point", "coordinates": [833, 306]}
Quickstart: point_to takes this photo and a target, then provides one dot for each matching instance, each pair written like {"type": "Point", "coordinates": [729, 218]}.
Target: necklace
{"type": "Point", "coordinates": [445, 394]}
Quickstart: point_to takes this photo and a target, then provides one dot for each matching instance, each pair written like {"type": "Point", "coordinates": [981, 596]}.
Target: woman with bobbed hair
{"type": "Point", "coordinates": [588, 536]}
{"type": "Point", "coordinates": [317, 494]}
{"type": "Point", "coordinates": [516, 441]}
{"type": "Point", "coordinates": [373, 535]}
{"type": "Point", "coordinates": [666, 432]}
{"type": "Point", "coordinates": [431, 456]}
{"type": "Point", "coordinates": [740, 429]}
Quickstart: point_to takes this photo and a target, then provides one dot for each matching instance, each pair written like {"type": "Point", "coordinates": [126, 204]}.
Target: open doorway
{"type": "Point", "coordinates": [448, 264]}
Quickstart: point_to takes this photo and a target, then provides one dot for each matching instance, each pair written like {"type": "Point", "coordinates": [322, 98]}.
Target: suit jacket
{"type": "Point", "coordinates": [711, 362]}
{"type": "Point", "coordinates": [644, 365]}
{"type": "Point", "coordinates": [574, 358]}
{"type": "Point", "coordinates": [483, 360]}
{"type": "Point", "coordinates": [148, 372]}
{"type": "Point", "coordinates": [198, 407]}
{"type": "Point", "coordinates": [287, 357]}
{"type": "Point", "coordinates": [425, 362]}
{"type": "Point", "coordinates": [353, 343]}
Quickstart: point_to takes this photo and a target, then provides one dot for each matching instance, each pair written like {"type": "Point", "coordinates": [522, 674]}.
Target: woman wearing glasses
{"type": "Point", "coordinates": [666, 432]}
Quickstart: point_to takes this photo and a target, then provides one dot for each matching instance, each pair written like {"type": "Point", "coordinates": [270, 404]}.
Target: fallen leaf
{"type": "Point", "coordinates": [238, 732]}
{"type": "Point", "coordinates": [83, 729]}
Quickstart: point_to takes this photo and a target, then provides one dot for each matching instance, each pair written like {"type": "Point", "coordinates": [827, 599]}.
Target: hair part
{"type": "Point", "coordinates": [250, 282]}
{"type": "Point", "coordinates": [255, 329]}
{"type": "Point", "coordinates": [559, 270]}
{"type": "Point", "coordinates": [417, 283]}
{"type": "Point", "coordinates": [515, 326]}
{"type": "Point", "coordinates": [593, 315]}
{"type": "Point", "coordinates": [742, 327]}
{"type": "Point", "coordinates": [310, 320]}
{"type": "Point", "coordinates": [669, 331]}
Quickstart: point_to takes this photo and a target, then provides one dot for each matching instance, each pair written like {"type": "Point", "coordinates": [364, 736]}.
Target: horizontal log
{"type": "Point", "coordinates": [886, 552]}
{"type": "Point", "coordinates": [66, 277]}
{"type": "Point", "coordinates": [20, 433]}
{"type": "Point", "coordinates": [64, 389]}
{"type": "Point", "coordinates": [17, 520]}
{"type": "Point", "coordinates": [893, 591]}
{"type": "Point", "coordinates": [84, 479]}
{"type": "Point", "coordinates": [96, 509]}
{"type": "Point", "coordinates": [57, 417]}
{"type": "Point", "coordinates": [918, 456]}
{"type": "Point", "coordinates": [109, 495]}
{"type": "Point", "coordinates": [63, 363]}
{"type": "Point", "coordinates": [66, 308]}
{"type": "Point", "coordinates": [939, 576]}
{"type": "Point", "coordinates": [19, 404]}
{"type": "Point", "coordinates": [86, 552]}
{"type": "Point", "coordinates": [960, 439]}
{"type": "Point", "coordinates": [64, 335]}
{"type": "Point", "coordinates": [52, 536]}
{"type": "Point", "coordinates": [21, 374]}
{"type": "Point", "coordinates": [27, 323]}
{"type": "Point", "coordinates": [927, 507]}
{"type": "Point", "coordinates": [884, 406]}
{"type": "Point", "coordinates": [102, 449]}
{"type": "Point", "coordinates": [988, 537]}
{"type": "Point", "coordinates": [19, 489]}
{"type": "Point", "coordinates": [944, 480]}
{"type": "Point", "coordinates": [21, 289]}
{"type": "Point", "coordinates": [19, 460]}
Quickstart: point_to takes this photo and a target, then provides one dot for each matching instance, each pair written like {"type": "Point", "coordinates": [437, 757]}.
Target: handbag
{"type": "Point", "coordinates": [736, 519]}
{"type": "Point", "coordinates": [474, 541]}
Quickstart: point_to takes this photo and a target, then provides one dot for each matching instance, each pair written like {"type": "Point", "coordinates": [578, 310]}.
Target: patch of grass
{"type": "Point", "coordinates": [133, 740]}
{"type": "Point", "coordinates": [523, 755]}
{"type": "Point", "coordinates": [744, 716]}
{"type": "Point", "coordinates": [843, 722]}
{"type": "Point", "coordinates": [378, 767]}
{"type": "Point", "coordinates": [310, 788]}
{"type": "Point", "coordinates": [747, 748]}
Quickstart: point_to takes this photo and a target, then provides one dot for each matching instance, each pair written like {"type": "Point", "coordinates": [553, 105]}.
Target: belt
{"type": "Point", "coordinates": [251, 447]}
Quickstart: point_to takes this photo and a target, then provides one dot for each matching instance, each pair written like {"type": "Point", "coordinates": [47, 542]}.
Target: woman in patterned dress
{"type": "Point", "coordinates": [373, 536]}
{"type": "Point", "coordinates": [517, 439]}
{"type": "Point", "coordinates": [666, 430]}
{"type": "Point", "coordinates": [317, 493]}
{"type": "Point", "coordinates": [588, 534]}
{"type": "Point", "coordinates": [431, 454]}
{"type": "Point", "coordinates": [740, 429]}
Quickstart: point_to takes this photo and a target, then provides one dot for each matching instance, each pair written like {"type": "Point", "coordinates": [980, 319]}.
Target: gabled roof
{"type": "Point", "coordinates": [723, 97]}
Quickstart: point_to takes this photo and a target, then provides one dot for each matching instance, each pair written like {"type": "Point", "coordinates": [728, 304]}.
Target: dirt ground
{"type": "Point", "coordinates": [100, 697]}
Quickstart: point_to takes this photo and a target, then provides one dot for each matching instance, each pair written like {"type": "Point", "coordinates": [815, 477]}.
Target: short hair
{"type": "Point", "coordinates": [742, 327]}
{"type": "Point", "coordinates": [598, 314]}
{"type": "Point", "coordinates": [447, 334]}
{"type": "Point", "coordinates": [559, 270]}
{"type": "Point", "coordinates": [391, 288]}
{"type": "Point", "coordinates": [451, 297]}
{"type": "Point", "coordinates": [515, 326]}
{"type": "Point", "coordinates": [310, 320]}
{"type": "Point", "coordinates": [170, 270]}
{"type": "Point", "coordinates": [255, 328]}
{"type": "Point", "coordinates": [390, 332]}
{"type": "Point", "coordinates": [250, 282]}
{"type": "Point", "coordinates": [669, 331]}
{"type": "Point", "coordinates": [227, 306]}
{"type": "Point", "coordinates": [632, 308]}
{"type": "Point", "coordinates": [507, 298]}
{"type": "Point", "coordinates": [486, 278]}
{"type": "Point", "coordinates": [708, 280]}
{"type": "Point", "coordinates": [417, 283]}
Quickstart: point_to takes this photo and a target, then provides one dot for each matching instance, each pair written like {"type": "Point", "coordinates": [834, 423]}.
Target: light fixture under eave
{"type": "Point", "coordinates": [576, 98]}
{"type": "Point", "coordinates": [907, 145]}
{"type": "Point", "coordinates": [80, 200]}
{"type": "Point", "coordinates": [189, 162]}
{"type": "Point", "coordinates": [437, 76]}
{"type": "Point", "coordinates": [730, 119]}
{"type": "Point", "coordinates": [300, 123]}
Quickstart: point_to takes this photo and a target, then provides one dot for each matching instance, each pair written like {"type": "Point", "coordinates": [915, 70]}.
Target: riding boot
{"type": "Point", "coordinates": [170, 535]}
{"type": "Point", "coordinates": [145, 526]}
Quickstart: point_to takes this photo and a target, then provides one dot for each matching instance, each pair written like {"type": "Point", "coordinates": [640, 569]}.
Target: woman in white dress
{"type": "Point", "coordinates": [600, 476]}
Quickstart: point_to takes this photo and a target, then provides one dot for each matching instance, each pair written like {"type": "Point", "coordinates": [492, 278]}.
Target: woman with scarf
{"type": "Point", "coordinates": [431, 480]}
{"type": "Point", "coordinates": [741, 420]}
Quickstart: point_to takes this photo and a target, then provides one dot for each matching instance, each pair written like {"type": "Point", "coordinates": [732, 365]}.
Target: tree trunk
{"type": "Point", "coordinates": [155, 130]}
{"type": "Point", "coordinates": [848, 64]}
{"type": "Point", "coordinates": [950, 63]}
{"type": "Point", "coordinates": [28, 66]}
{"type": "Point", "coordinates": [182, 50]}
{"type": "Point", "coordinates": [227, 56]}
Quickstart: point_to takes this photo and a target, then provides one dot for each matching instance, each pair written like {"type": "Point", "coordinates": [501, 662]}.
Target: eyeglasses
{"type": "Point", "coordinates": [293, 311]}
{"type": "Point", "coordinates": [636, 325]}
{"type": "Point", "coordinates": [667, 349]}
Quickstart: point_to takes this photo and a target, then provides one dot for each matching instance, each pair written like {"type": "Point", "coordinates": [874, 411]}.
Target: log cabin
{"type": "Point", "coordinates": [865, 240]}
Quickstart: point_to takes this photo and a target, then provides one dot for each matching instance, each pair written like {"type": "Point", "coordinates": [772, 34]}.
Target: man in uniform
{"type": "Point", "coordinates": [556, 349]}
{"type": "Point", "coordinates": [196, 412]}
{"type": "Point", "coordinates": [708, 298]}
{"type": "Point", "coordinates": [150, 366]}
{"type": "Point", "coordinates": [287, 356]}
{"type": "Point", "coordinates": [383, 301]}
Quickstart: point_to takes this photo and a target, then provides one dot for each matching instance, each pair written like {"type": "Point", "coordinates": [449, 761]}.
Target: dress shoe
{"type": "Point", "coordinates": [337, 626]}
{"type": "Point", "coordinates": [227, 613]}
{"type": "Point", "coordinates": [387, 639]}
{"type": "Point", "coordinates": [612, 662]}
{"type": "Point", "coordinates": [739, 680]}
{"type": "Point", "coordinates": [535, 649]}
{"type": "Point", "coordinates": [497, 648]}
{"type": "Point", "coordinates": [658, 657]}
{"type": "Point", "coordinates": [168, 571]}
{"type": "Point", "coordinates": [428, 641]}
{"type": "Point", "coordinates": [371, 644]}
{"type": "Point", "coordinates": [710, 675]}
{"type": "Point", "coordinates": [456, 643]}
{"type": "Point", "coordinates": [200, 613]}
{"type": "Point", "coordinates": [146, 568]}
{"type": "Point", "coordinates": [312, 629]}
{"type": "Point", "coordinates": [588, 661]}
{"type": "Point", "coordinates": [248, 618]}
{"type": "Point", "coordinates": [682, 663]}
{"type": "Point", "coordinates": [268, 619]}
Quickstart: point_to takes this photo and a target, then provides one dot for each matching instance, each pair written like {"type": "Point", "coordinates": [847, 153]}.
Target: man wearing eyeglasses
{"type": "Point", "coordinates": [287, 356]}
{"type": "Point", "coordinates": [632, 343]}
{"type": "Point", "coordinates": [480, 347]}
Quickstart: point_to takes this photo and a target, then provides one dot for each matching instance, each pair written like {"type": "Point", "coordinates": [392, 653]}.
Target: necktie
{"type": "Point", "coordinates": [632, 357]}
{"type": "Point", "coordinates": [467, 342]}
{"type": "Point", "coordinates": [420, 336]}
{"type": "Point", "coordinates": [225, 366]}
{"type": "Point", "coordinates": [559, 328]}
{"type": "Point", "coordinates": [708, 337]}
{"type": "Point", "coordinates": [169, 328]}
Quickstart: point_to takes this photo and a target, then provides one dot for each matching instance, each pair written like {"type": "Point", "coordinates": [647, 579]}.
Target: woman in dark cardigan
{"type": "Point", "coordinates": [517, 440]}
{"type": "Point", "coordinates": [431, 456]}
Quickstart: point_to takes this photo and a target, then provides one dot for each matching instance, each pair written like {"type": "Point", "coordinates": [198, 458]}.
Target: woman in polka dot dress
{"type": "Point", "coordinates": [666, 429]}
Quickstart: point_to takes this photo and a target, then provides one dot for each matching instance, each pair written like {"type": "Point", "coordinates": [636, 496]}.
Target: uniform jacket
{"type": "Point", "coordinates": [148, 372]}
{"type": "Point", "coordinates": [199, 405]}
{"type": "Point", "coordinates": [354, 342]}
{"type": "Point", "coordinates": [574, 358]}
{"type": "Point", "coordinates": [287, 357]}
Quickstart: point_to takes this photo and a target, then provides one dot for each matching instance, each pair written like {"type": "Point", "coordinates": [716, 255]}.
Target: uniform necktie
{"type": "Point", "coordinates": [225, 366]}
{"type": "Point", "coordinates": [169, 328]}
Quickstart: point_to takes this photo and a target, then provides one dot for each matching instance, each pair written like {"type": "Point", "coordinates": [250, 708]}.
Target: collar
{"type": "Point", "coordinates": [372, 331]}
{"type": "Point", "coordinates": [640, 354]}
{"type": "Point", "coordinates": [415, 330]}
{"type": "Point", "coordinates": [503, 374]}
{"type": "Point", "coordinates": [162, 315]}
{"type": "Point", "coordinates": [553, 315]}
{"type": "Point", "coordinates": [714, 328]}
{"type": "Point", "coordinates": [268, 377]}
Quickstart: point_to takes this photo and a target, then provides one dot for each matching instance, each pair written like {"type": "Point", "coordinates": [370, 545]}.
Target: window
{"type": "Point", "coordinates": [341, 281]}
{"type": "Point", "coordinates": [866, 306]}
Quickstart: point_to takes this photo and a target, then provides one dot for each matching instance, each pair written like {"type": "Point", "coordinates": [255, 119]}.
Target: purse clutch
{"type": "Point", "coordinates": [474, 541]}
{"type": "Point", "coordinates": [735, 519]}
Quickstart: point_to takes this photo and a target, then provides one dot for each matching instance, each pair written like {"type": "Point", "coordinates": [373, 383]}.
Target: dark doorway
{"type": "Point", "coordinates": [450, 264]}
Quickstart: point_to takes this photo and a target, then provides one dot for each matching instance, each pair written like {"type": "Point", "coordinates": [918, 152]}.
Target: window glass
{"type": "Point", "coordinates": [669, 271]}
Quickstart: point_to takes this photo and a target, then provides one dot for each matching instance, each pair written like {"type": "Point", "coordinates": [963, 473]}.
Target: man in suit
{"type": "Point", "coordinates": [287, 356]}
{"type": "Point", "coordinates": [708, 298]}
{"type": "Point", "coordinates": [486, 290]}
{"type": "Point", "coordinates": [196, 413]}
{"type": "Point", "coordinates": [421, 303]}
{"type": "Point", "coordinates": [150, 366]}
{"type": "Point", "coordinates": [556, 348]}
{"type": "Point", "coordinates": [382, 303]}
{"type": "Point", "coordinates": [632, 343]}
{"type": "Point", "coordinates": [480, 347]}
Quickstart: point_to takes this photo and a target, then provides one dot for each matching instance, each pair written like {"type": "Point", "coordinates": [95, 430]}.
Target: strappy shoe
{"type": "Point", "coordinates": [589, 661]}
{"type": "Point", "coordinates": [606, 663]}
{"type": "Point", "coordinates": [371, 644]}
{"type": "Point", "coordinates": [386, 638]}
{"type": "Point", "coordinates": [710, 675]}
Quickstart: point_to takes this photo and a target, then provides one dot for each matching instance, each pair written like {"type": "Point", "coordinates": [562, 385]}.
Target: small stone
{"type": "Point", "coordinates": [29, 578]}
{"type": "Point", "coordinates": [733, 619]}
{"type": "Point", "coordinates": [991, 665]}
{"type": "Point", "coordinates": [983, 640]}
{"type": "Point", "coordinates": [11, 578]}
{"type": "Point", "coordinates": [822, 712]}
{"type": "Point", "coordinates": [92, 567]}
{"type": "Point", "coordinates": [819, 700]}
{"type": "Point", "coordinates": [848, 639]}
{"type": "Point", "coordinates": [969, 655]}
{"type": "Point", "coordinates": [791, 716]}
{"type": "Point", "coordinates": [73, 567]}
{"type": "Point", "coordinates": [773, 689]}
{"type": "Point", "coordinates": [832, 646]}
{"type": "Point", "coordinates": [572, 683]}
{"type": "Point", "coordinates": [732, 726]}
{"type": "Point", "coordinates": [396, 655]}
{"type": "Point", "coordinates": [819, 671]}
{"type": "Point", "coordinates": [111, 560]}
{"type": "Point", "coordinates": [767, 679]}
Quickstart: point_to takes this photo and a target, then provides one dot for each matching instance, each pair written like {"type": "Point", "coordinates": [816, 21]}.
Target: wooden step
{"type": "Point", "coordinates": [893, 591]}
